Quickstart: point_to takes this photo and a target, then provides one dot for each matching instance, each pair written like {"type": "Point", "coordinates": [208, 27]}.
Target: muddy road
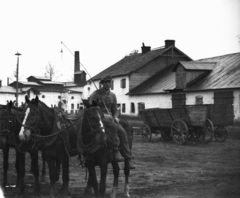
{"type": "Point", "coordinates": [163, 169]}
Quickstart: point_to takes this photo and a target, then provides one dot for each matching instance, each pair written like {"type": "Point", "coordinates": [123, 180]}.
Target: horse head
{"type": "Point", "coordinates": [93, 115]}
{"type": "Point", "coordinates": [30, 119]}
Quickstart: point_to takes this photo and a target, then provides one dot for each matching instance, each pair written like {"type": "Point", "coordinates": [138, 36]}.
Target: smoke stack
{"type": "Point", "coordinates": [76, 62]}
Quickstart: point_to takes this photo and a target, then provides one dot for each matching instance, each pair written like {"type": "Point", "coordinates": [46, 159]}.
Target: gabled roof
{"type": "Point", "coordinates": [25, 83]}
{"type": "Point", "coordinates": [132, 63]}
{"type": "Point", "coordinates": [7, 89]}
{"type": "Point", "coordinates": [40, 78]}
{"type": "Point", "coordinates": [225, 74]}
{"type": "Point", "coordinates": [196, 65]}
{"type": "Point", "coordinates": [51, 82]}
{"type": "Point", "coordinates": [163, 80]}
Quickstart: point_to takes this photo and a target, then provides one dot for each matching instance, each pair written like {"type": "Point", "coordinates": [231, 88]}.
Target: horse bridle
{"type": "Point", "coordinates": [34, 129]}
{"type": "Point", "coordinates": [93, 131]}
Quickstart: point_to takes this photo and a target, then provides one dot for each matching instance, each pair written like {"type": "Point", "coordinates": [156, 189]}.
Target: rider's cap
{"type": "Point", "coordinates": [106, 78]}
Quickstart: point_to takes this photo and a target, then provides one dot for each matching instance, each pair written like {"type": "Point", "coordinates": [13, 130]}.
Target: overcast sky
{"type": "Point", "coordinates": [105, 31]}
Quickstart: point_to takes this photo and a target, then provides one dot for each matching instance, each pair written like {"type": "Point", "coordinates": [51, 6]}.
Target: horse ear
{"type": "Point", "coordinates": [9, 105]}
{"type": "Point", "coordinates": [27, 99]}
{"type": "Point", "coordinates": [36, 99]}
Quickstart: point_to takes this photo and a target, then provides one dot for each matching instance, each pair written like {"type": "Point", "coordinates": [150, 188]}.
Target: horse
{"type": "Point", "coordinates": [53, 132]}
{"type": "Point", "coordinates": [95, 147]}
{"type": "Point", "coordinates": [10, 123]}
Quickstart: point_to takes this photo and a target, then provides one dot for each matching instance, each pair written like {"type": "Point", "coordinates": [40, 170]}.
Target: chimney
{"type": "Point", "coordinates": [145, 49]}
{"type": "Point", "coordinates": [76, 61]}
{"type": "Point", "coordinates": [0, 83]}
{"type": "Point", "coordinates": [7, 81]}
{"type": "Point", "coordinates": [169, 43]}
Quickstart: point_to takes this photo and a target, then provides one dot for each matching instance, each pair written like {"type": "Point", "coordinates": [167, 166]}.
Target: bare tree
{"type": "Point", "coordinates": [50, 71]}
{"type": "Point", "coordinates": [14, 76]}
{"type": "Point", "coordinates": [134, 52]}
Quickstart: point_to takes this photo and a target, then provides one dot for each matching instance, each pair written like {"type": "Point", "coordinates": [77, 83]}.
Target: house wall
{"type": "Point", "coordinates": [236, 109]}
{"type": "Point", "coordinates": [5, 97]}
{"type": "Point", "coordinates": [208, 97]}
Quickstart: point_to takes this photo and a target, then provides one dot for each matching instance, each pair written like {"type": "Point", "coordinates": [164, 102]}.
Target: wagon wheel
{"type": "Point", "coordinates": [146, 133]}
{"type": "Point", "coordinates": [179, 131]}
{"type": "Point", "coordinates": [166, 135]}
{"type": "Point", "coordinates": [206, 134]}
{"type": "Point", "coordinates": [220, 134]}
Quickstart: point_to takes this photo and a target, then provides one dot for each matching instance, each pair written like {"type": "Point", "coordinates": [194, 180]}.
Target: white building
{"type": "Point", "coordinates": [166, 77]}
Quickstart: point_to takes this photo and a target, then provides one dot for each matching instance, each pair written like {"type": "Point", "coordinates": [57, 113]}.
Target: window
{"type": "Point", "coordinates": [132, 107]}
{"type": "Point", "coordinates": [123, 108]}
{"type": "Point", "coordinates": [72, 97]}
{"type": "Point", "coordinates": [43, 96]}
{"type": "Point", "coordinates": [199, 100]}
{"type": "Point", "coordinates": [123, 83]}
{"type": "Point", "coordinates": [59, 97]}
{"type": "Point", "coordinates": [78, 106]}
{"type": "Point", "coordinates": [72, 106]}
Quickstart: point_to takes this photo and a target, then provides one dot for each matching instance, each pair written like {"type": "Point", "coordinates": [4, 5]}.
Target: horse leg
{"type": "Point", "coordinates": [43, 165]}
{"type": "Point", "coordinates": [115, 181]}
{"type": "Point", "coordinates": [92, 174]}
{"type": "Point", "coordinates": [65, 174]}
{"type": "Point", "coordinates": [21, 168]}
{"type": "Point", "coordinates": [126, 172]}
{"type": "Point", "coordinates": [88, 189]}
{"type": "Point", "coordinates": [57, 169]}
{"type": "Point", "coordinates": [5, 165]}
{"type": "Point", "coordinates": [102, 187]}
{"type": "Point", "coordinates": [52, 175]}
{"type": "Point", "coordinates": [35, 169]}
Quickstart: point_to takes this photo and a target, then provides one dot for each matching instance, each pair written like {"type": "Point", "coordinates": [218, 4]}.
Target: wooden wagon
{"type": "Point", "coordinates": [178, 124]}
{"type": "Point", "coordinates": [221, 115]}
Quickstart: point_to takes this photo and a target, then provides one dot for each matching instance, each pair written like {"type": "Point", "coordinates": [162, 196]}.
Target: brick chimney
{"type": "Point", "coordinates": [76, 61]}
{"type": "Point", "coordinates": [79, 76]}
{"type": "Point", "coordinates": [145, 49]}
{"type": "Point", "coordinates": [169, 43]}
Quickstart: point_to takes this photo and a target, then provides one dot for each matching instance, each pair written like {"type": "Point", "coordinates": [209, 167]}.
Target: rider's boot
{"type": "Point", "coordinates": [130, 164]}
{"type": "Point", "coordinates": [116, 156]}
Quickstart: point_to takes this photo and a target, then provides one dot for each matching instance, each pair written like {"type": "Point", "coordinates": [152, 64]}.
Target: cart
{"type": "Point", "coordinates": [178, 124]}
{"type": "Point", "coordinates": [221, 115]}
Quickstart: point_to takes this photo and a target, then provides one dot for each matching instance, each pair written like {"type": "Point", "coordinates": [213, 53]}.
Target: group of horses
{"type": "Point", "coordinates": [59, 137]}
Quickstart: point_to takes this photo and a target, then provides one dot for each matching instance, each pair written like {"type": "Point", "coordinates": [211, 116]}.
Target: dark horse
{"type": "Point", "coordinates": [95, 146]}
{"type": "Point", "coordinates": [55, 134]}
{"type": "Point", "coordinates": [10, 124]}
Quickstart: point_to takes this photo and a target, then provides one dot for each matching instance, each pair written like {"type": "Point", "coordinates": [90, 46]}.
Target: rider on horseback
{"type": "Point", "coordinates": [107, 102]}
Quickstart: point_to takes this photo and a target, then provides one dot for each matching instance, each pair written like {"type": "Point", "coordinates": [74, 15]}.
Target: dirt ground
{"type": "Point", "coordinates": [163, 169]}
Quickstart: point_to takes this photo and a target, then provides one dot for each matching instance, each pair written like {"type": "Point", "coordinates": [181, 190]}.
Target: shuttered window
{"type": "Point", "coordinates": [123, 108]}
{"type": "Point", "coordinates": [123, 83]}
{"type": "Point", "coordinates": [132, 107]}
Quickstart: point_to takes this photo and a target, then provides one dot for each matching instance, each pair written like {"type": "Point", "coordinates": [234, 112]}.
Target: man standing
{"type": "Point", "coordinates": [107, 102]}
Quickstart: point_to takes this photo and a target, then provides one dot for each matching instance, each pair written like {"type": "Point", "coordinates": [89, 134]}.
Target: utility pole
{"type": "Point", "coordinates": [17, 73]}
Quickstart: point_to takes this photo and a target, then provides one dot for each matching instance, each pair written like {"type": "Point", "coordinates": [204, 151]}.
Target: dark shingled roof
{"type": "Point", "coordinates": [225, 74]}
{"type": "Point", "coordinates": [197, 65]}
{"type": "Point", "coordinates": [130, 64]}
